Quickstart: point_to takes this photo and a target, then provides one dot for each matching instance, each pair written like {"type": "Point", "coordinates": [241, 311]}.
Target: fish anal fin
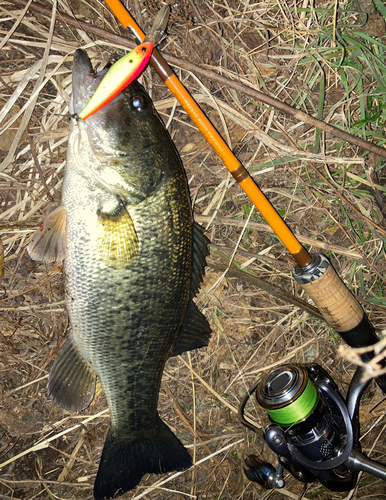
{"type": "Point", "coordinates": [49, 243]}
{"type": "Point", "coordinates": [124, 462]}
{"type": "Point", "coordinates": [71, 382]}
{"type": "Point", "coordinates": [195, 332]}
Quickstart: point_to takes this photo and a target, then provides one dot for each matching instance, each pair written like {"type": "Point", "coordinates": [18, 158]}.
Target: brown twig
{"type": "Point", "coordinates": [227, 82]}
{"type": "Point", "coordinates": [32, 145]}
{"type": "Point", "coordinates": [331, 185]}
{"type": "Point", "coordinates": [37, 163]}
{"type": "Point", "coordinates": [18, 225]}
{"type": "Point", "coordinates": [57, 269]}
{"type": "Point", "coordinates": [283, 265]}
{"type": "Point", "coordinates": [340, 195]}
{"type": "Point", "coordinates": [184, 418]}
{"type": "Point", "coordinates": [323, 246]}
{"type": "Point", "coordinates": [1, 261]}
{"type": "Point", "coordinates": [274, 290]}
{"type": "Point", "coordinates": [379, 197]}
{"type": "Point", "coordinates": [318, 202]}
{"type": "Point", "coordinates": [380, 276]}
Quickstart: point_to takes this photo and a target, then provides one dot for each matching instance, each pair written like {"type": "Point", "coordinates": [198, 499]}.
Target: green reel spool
{"type": "Point", "coordinates": [287, 395]}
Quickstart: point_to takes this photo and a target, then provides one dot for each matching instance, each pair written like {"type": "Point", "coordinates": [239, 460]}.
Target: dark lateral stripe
{"type": "Point", "coordinates": [240, 174]}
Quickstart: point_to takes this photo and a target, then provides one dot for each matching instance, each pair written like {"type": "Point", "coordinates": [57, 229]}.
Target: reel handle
{"type": "Point", "coordinates": [359, 462]}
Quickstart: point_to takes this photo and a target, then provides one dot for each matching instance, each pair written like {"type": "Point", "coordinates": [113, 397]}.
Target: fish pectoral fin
{"type": "Point", "coordinates": [71, 382]}
{"type": "Point", "coordinates": [49, 243]}
{"type": "Point", "coordinates": [200, 252]}
{"type": "Point", "coordinates": [124, 461]}
{"type": "Point", "coordinates": [117, 238]}
{"type": "Point", "coordinates": [195, 332]}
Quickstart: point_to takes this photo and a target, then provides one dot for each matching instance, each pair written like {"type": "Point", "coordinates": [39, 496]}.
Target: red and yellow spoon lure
{"type": "Point", "coordinates": [119, 76]}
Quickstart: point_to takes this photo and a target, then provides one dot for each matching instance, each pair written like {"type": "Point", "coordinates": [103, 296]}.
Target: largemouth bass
{"type": "Point", "coordinates": [134, 260]}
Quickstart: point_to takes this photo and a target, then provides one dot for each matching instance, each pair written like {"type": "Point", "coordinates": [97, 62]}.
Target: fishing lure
{"type": "Point", "coordinates": [118, 77]}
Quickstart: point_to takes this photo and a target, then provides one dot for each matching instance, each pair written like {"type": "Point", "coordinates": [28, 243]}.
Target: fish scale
{"type": "Point", "coordinates": [129, 306]}
{"type": "Point", "coordinates": [134, 260]}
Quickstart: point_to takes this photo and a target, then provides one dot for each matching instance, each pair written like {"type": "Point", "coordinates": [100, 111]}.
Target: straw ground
{"type": "Point", "coordinates": [325, 59]}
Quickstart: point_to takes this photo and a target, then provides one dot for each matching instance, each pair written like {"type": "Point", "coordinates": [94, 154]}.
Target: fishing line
{"type": "Point", "coordinates": [298, 410]}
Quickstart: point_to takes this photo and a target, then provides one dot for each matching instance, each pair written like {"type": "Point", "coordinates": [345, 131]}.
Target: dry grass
{"type": "Point", "coordinates": [325, 189]}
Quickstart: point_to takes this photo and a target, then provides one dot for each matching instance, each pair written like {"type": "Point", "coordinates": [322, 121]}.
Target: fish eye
{"type": "Point", "coordinates": [138, 103]}
{"type": "Point", "coordinates": [144, 49]}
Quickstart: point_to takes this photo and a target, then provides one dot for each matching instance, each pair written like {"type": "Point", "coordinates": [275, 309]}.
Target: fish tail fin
{"type": "Point", "coordinates": [123, 463]}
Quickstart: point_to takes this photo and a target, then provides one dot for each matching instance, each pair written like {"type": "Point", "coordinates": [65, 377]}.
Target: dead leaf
{"type": "Point", "coordinates": [188, 147]}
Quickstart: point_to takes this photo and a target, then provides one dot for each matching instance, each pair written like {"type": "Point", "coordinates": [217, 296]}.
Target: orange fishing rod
{"type": "Point", "coordinates": [234, 166]}
{"type": "Point", "coordinates": [314, 274]}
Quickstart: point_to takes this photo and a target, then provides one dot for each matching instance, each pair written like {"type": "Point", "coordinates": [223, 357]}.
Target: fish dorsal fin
{"type": "Point", "coordinates": [49, 243]}
{"type": "Point", "coordinates": [196, 331]}
{"type": "Point", "coordinates": [117, 238]}
{"type": "Point", "coordinates": [71, 383]}
{"type": "Point", "coordinates": [200, 252]}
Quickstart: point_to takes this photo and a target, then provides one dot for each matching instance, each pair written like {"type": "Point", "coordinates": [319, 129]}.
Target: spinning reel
{"type": "Point", "coordinates": [314, 432]}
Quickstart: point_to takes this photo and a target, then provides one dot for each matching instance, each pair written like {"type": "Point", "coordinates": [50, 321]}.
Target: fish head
{"type": "Point", "coordinates": [123, 144]}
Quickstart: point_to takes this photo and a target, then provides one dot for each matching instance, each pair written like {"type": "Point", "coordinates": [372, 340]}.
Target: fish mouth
{"type": "Point", "coordinates": [84, 81]}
